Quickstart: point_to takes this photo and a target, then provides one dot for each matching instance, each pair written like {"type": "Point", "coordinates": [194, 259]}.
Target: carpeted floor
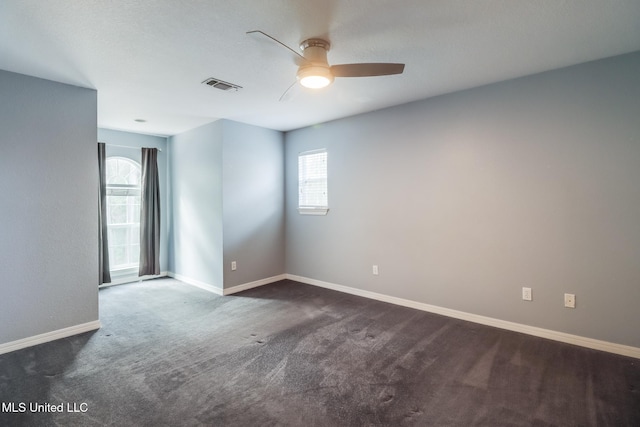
{"type": "Point", "coordinates": [289, 354]}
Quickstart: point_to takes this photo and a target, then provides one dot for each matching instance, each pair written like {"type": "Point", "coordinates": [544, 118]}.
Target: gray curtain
{"type": "Point", "coordinates": [150, 214]}
{"type": "Point", "coordinates": [103, 246]}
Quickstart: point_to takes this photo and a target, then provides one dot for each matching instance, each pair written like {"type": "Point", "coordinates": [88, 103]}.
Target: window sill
{"type": "Point", "coordinates": [127, 271]}
{"type": "Point", "coordinates": [313, 211]}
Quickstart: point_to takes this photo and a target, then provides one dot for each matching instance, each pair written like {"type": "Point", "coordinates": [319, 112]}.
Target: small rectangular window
{"type": "Point", "coordinates": [312, 183]}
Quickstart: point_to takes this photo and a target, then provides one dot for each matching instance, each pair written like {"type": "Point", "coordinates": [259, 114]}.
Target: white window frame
{"type": "Point", "coordinates": [322, 207]}
{"type": "Point", "coordinates": [125, 189]}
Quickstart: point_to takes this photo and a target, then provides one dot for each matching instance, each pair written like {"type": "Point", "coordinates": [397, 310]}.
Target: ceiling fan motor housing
{"type": "Point", "coordinates": [315, 73]}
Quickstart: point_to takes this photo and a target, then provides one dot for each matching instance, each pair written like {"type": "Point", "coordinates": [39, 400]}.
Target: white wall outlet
{"type": "Point", "coordinates": [570, 300]}
{"type": "Point", "coordinates": [234, 266]}
{"type": "Point", "coordinates": [526, 294]}
{"type": "Point", "coordinates": [375, 270]}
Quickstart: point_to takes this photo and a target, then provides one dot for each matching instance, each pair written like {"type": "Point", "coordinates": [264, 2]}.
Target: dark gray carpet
{"type": "Point", "coordinates": [295, 355]}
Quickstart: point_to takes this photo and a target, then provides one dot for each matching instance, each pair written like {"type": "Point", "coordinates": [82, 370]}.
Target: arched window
{"type": "Point", "coordinates": [123, 212]}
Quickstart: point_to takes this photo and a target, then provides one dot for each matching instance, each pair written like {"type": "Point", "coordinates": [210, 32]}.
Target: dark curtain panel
{"type": "Point", "coordinates": [150, 214]}
{"type": "Point", "coordinates": [103, 246]}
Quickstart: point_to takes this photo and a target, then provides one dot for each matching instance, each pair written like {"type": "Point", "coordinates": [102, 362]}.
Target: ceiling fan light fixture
{"type": "Point", "coordinates": [315, 77]}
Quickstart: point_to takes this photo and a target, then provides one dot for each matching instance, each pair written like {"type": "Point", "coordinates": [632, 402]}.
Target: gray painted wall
{"type": "Point", "coordinates": [253, 202]}
{"type": "Point", "coordinates": [48, 214]}
{"type": "Point", "coordinates": [227, 196]}
{"type": "Point", "coordinates": [465, 198]}
{"type": "Point", "coordinates": [195, 242]}
{"type": "Point", "coordinates": [137, 141]}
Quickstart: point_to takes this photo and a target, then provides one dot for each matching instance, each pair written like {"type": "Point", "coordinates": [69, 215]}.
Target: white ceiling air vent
{"type": "Point", "coordinates": [220, 84]}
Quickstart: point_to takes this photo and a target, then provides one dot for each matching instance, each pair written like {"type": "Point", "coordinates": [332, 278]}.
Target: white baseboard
{"type": "Point", "coordinates": [49, 336]}
{"type": "Point", "coordinates": [255, 284]}
{"type": "Point", "coordinates": [623, 350]}
{"type": "Point", "coordinates": [197, 283]}
{"type": "Point", "coordinates": [226, 291]}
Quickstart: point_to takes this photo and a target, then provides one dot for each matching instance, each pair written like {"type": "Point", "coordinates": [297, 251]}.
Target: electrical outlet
{"type": "Point", "coordinates": [234, 266]}
{"type": "Point", "coordinates": [526, 294]}
{"type": "Point", "coordinates": [375, 270]}
{"type": "Point", "coordinates": [570, 300]}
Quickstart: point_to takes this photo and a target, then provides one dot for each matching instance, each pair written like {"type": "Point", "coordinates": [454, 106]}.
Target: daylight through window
{"type": "Point", "coordinates": [312, 182]}
{"type": "Point", "coordinates": [123, 212]}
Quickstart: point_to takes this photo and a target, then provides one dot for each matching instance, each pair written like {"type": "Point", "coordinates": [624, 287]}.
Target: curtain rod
{"type": "Point", "coordinates": [126, 146]}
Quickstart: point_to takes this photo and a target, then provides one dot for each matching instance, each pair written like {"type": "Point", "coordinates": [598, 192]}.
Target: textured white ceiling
{"type": "Point", "coordinates": [147, 59]}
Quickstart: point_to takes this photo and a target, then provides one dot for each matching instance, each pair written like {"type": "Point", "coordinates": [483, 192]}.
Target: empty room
{"type": "Point", "coordinates": [320, 213]}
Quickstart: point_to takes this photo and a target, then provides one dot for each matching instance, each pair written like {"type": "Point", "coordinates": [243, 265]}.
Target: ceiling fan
{"type": "Point", "coordinates": [315, 72]}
